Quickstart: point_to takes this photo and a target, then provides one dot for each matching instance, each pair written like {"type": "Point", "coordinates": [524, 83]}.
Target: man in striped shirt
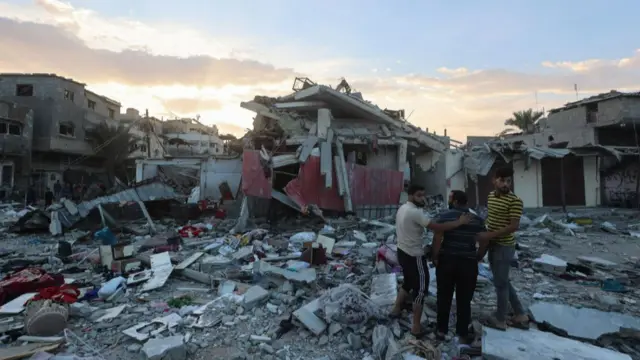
{"type": "Point", "coordinates": [503, 219]}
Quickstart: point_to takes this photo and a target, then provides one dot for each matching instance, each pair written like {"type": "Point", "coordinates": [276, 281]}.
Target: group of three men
{"type": "Point", "coordinates": [461, 240]}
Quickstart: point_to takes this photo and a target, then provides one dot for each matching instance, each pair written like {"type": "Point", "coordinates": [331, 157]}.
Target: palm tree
{"type": "Point", "coordinates": [524, 121]}
{"type": "Point", "coordinates": [113, 144]}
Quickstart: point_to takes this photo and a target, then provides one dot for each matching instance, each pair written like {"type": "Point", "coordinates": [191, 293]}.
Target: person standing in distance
{"type": "Point", "coordinates": [410, 224]}
{"type": "Point", "coordinates": [503, 219]}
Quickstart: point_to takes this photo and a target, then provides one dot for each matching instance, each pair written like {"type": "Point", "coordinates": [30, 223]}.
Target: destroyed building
{"type": "Point", "coordinates": [190, 137]}
{"type": "Point", "coordinates": [317, 146]}
{"type": "Point", "coordinates": [147, 131]}
{"type": "Point", "coordinates": [16, 136]}
{"type": "Point", "coordinates": [331, 148]}
{"type": "Point", "coordinates": [586, 154]}
{"type": "Point", "coordinates": [63, 109]}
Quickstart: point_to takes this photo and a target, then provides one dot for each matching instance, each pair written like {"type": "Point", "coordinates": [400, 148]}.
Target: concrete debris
{"type": "Point", "coordinates": [577, 322]}
{"type": "Point", "coordinates": [168, 348]}
{"type": "Point", "coordinates": [538, 345]}
{"type": "Point", "coordinates": [301, 289]}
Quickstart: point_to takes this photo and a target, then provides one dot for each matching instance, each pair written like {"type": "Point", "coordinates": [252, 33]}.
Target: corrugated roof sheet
{"type": "Point", "coordinates": [539, 153]}
{"type": "Point", "coordinates": [480, 160]}
{"type": "Point", "coordinates": [147, 192]}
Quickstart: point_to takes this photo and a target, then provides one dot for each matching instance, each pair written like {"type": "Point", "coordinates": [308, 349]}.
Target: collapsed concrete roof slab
{"type": "Point", "coordinates": [361, 109]}
{"type": "Point", "coordinates": [300, 105]}
{"type": "Point", "coordinates": [582, 323]}
{"type": "Point", "coordinates": [537, 345]}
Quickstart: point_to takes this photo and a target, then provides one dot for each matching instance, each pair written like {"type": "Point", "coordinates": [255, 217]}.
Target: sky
{"type": "Point", "coordinates": [464, 66]}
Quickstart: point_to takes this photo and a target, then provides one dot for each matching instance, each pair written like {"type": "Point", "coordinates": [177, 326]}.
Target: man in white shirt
{"type": "Point", "coordinates": [410, 224]}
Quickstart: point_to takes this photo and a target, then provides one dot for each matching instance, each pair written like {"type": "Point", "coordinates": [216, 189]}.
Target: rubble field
{"type": "Point", "coordinates": [304, 289]}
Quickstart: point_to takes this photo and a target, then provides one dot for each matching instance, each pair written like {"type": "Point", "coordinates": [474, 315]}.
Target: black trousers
{"type": "Point", "coordinates": [416, 275]}
{"type": "Point", "coordinates": [457, 274]}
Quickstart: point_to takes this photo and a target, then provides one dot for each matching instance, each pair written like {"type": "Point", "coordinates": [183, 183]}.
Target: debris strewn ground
{"type": "Point", "coordinates": [305, 289]}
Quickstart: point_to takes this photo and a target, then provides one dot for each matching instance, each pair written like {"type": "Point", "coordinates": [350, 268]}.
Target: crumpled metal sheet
{"type": "Point", "coordinates": [539, 153]}
{"type": "Point", "coordinates": [479, 161]}
{"type": "Point", "coordinates": [147, 192]}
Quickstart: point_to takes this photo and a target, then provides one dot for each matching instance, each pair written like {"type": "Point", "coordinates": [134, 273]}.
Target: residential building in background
{"type": "Point", "coordinates": [186, 125]}
{"type": "Point", "coordinates": [63, 110]}
{"type": "Point", "coordinates": [585, 154]}
{"type": "Point", "coordinates": [193, 144]}
{"type": "Point", "coordinates": [189, 137]}
{"type": "Point", "coordinates": [148, 132]}
{"type": "Point", "coordinates": [16, 137]}
{"type": "Point", "coordinates": [45, 120]}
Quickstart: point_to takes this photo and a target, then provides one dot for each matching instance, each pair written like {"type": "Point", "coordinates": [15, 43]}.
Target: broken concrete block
{"type": "Point", "coordinates": [537, 345]}
{"type": "Point", "coordinates": [242, 253]}
{"type": "Point", "coordinates": [609, 302]}
{"type": "Point", "coordinates": [594, 261]}
{"type": "Point", "coordinates": [213, 262]}
{"type": "Point", "coordinates": [226, 287]}
{"type": "Point", "coordinates": [304, 275]}
{"type": "Point", "coordinates": [254, 295]}
{"type": "Point", "coordinates": [550, 264]}
{"type": "Point", "coordinates": [582, 323]}
{"type": "Point", "coordinates": [168, 348]}
{"type": "Point", "coordinates": [307, 317]}
{"type": "Point", "coordinates": [384, 289]}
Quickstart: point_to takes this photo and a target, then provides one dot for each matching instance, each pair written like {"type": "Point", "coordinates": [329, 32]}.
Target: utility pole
{"type": "Point", "coordinates": [147, 131]}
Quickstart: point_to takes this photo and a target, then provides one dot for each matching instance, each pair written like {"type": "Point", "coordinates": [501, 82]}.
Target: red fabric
{"type": "Point", "coordinates": [189, 231]}
{"type": "Point", "coordinates": [66, 294]}
{"type": "Point", "coordinates": [220, 214]}
{"type": "Point", "coordinates": [26, 281]}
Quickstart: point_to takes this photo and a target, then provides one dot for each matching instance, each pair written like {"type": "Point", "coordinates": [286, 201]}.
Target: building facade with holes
{"type": "Point", "coordinates": [63, 109]}
{"type": "Point", "coordinates": [148, 138]}
{"type": "Point", "coordinates": [593, 155]}
{"type": "Point", "coordinates": [16, 136]}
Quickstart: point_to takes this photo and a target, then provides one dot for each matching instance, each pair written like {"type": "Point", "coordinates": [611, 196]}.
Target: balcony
{"type": "Point", "coordinates": [67, 144]}
{"type": "Point", "coordinates": [14, 144]}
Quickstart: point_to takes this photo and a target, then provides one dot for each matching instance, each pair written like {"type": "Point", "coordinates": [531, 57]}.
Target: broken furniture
{"type": "Point", "coordinates": [120, 258]}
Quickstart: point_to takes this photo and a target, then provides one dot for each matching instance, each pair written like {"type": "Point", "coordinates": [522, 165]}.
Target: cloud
{"type": "Point", "coordinates": [632, 62]}
{"type": "Point", "coordinates": [476, 102]}
{"type": "Point", "coordinates": [190, 105]}
{"type": "Point", "coordinates": [591, 76]}
{"type": "Point", "coordinates": [226, 128]}
{"type": "Point", "coordinates": [453, 72]}
{"type": "Point", "coordinates": [47, 48]}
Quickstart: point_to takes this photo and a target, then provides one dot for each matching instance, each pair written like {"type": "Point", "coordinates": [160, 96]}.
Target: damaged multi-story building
{"type": "Point", "coordinates": [331, 148]}
{"type": "Point", "coordinates": [190, 137]}
{"type": "Point", "coordinates": [16, 136]}
{"type": "Point", "coordinates": [583, 154]}
{"type": "Point", "coordinates": [147, 133]}
{"type": "Point", "coordinates": [63, 109]}
{"type": "Point", "coordinates": [318, 147]}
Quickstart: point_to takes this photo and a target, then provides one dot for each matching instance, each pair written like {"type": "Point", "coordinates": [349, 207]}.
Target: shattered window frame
{"type": "Point", "coordinates": [67, 129]}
